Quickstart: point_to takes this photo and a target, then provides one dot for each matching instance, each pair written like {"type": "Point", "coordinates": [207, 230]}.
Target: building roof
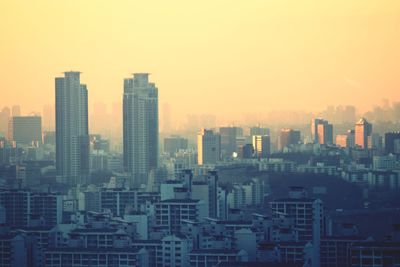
{"type": "Point", "coordinates": [180, 201]}
{"type": "Point", "coordinates": [93, 250]}
{"type": "Point", "coordinates": [294, 200]}
{"type": "Point", "coordinates": [214, 251]}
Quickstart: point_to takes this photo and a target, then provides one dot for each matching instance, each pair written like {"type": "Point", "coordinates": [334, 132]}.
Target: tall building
{"type": "Point", "coordinates": [363, 132]}
{"type": "Point", "coordinates": [262, 145]}
{"type": "Point", "coordinates": [288, 137]}
{"type": "Point", "coordinates": [72, 133]}
{"type": "Point", "coordinates": [321, 132]}
{"type": "Point", "coordinates": [140, 127]}
{"type": "Point", "coordinates": [25, 129]}
{"type": "Point", "coordinates": [229, 137]}
{"type": "Point", "coordinates": [392, 143]}
{"type": "Point", "coordinates": [258, 130]}
{"type": "Point", "coordinates": [345, 140]}
{"type": "Point", "coordinates": [208, 147]}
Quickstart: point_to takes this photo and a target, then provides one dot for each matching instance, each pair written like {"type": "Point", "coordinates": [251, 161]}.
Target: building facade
{"type": "Point", "coordinates": [72, 132]}
{"type": "Point", "coordinates": [140, 127]}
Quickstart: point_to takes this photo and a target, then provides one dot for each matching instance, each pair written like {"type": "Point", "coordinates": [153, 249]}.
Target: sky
{"type": "Point", "coordinates": [211, 56]}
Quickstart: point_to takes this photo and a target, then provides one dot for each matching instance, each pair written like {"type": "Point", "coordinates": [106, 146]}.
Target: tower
{"type": "Point", "coordinates": [140, 127]}
{"type": "Point", "coordinates": [72, 133]}
{"type": "Point", "coordinates": [363, 132]}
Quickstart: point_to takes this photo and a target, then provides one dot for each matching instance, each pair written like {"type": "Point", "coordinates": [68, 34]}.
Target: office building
{"type": "Point", "coordinates": [288, 137]}
{"type": "Point", "coordinates": [140, 127]}
{"type": "Point", "coordinates": [17, 204]}
{"type": "Point", "coordinates": [346, 140]}
{"type": "Point", "coordinates": [25, 130]}
{"type": "Point", "coordinates": [261, 145]}
{"type": "Point", "coordinates": [72, 134]}
{"type": "Point", "coordinates": [392, 143]}
{"type": "Point", "coordinates": [363, 132]}
{"type": "Point", "coordinates": [229, 137]}
{"type": "Point", "coordinates": [208, 147]}
{"type": "Point", "coordinates": [20, 205]}
{"type": "Point", "coordinates": [321, 132]}
{"type": "Point", "coordinates": [48, 206]}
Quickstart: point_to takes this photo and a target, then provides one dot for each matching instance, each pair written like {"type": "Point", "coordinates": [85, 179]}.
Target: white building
{"type": "Point", "coordinates": [175, 251]}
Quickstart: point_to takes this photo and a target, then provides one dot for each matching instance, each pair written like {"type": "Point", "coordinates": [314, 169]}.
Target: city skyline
{"type": "Point", "coordinates": [274, 50]}
{"type": "Point", "coordinates": [211, 133]}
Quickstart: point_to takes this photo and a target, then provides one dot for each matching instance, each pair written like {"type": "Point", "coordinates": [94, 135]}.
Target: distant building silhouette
{"type": "Point", "coordinates": [392, 143]}
{"type": "Point", "coordinates": [321, 132]}
{"type": "Point", "coordinates": [363, 132]}
{"type": "Point", "coordinates": [25, 129]}
{"type": "Point", "coordinates": [262, 145]}
{"type": "Point", "coordinates": [208, 147]}
{"type": "Point", "coordinates": [140, 127]}
{"type": "Point", "coordinates": [175, 143]}
{"type": "Point", "coordinates": [288, 137]}
{"type": "Point", "coordinates": [72, 134]}
{"type": "Point", "coordinates": [229, 137]}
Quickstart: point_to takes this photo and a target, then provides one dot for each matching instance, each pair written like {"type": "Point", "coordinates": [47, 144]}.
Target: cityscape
{"type": "Point", "coordinates": [139, 177]}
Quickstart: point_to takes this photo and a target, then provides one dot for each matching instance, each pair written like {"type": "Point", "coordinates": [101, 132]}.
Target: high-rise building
{"type": "Point", "coordinates": [321, 132]}
{"type": "Point", "coordinates": [72, 133]}
{"type": "Point", "coordinates": [140, 127]}
{"type": "Point", "coordinates": [288, 137]}
{"type": "Point", "coordinates": [208, 147]}
{"type": "Point", "coordinates": [25, 129]}
{"type": "Point", "coordinates": [392, 143]}
{"type": "Point", "coordinates": [229, 137]}
{"type": "Point", "coordinates": [345, 140]}
{"type": "Point", "coordinates": [262, 145]}
{"type": "Point", "coordinates": [363, 132]}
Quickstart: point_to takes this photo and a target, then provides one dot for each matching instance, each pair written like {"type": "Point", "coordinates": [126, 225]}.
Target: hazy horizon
{"type": "Point", "coordinates": [244, 58]}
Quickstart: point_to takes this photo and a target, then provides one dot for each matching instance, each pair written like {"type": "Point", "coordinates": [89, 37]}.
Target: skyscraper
{"type": "Point", "coordinates": [262, 145]}
{"type": "Point", "coordinates": [72, 134]}
{"type": "Point", "coordinates": [363, 132]}
{"type": "Point", "coordinates": [140, 127]}
{"type": "Point", "coordinates": [321, 132]}
{"type": "Point", "coordinates": [208, 147]}
{"type": "Point", "coordinates": [228, 140]}
{"type": "Point", "coordinates": [288, 137]}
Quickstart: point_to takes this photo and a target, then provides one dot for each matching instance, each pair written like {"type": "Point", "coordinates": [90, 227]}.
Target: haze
{"type": "Point", "coordinates": [219, 57]}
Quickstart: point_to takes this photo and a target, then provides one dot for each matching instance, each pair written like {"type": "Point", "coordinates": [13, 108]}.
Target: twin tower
{"type": "Point", "coordinates": [140, 128]}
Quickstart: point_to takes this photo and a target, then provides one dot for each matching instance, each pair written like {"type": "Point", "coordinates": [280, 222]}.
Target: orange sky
{"type": "Point", "coordinates": [222, 57]}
